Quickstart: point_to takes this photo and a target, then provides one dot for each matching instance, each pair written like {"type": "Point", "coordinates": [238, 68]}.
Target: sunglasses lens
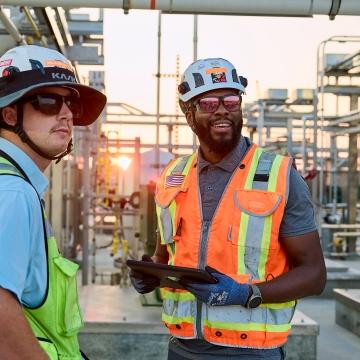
{"type": "Point", "coordinates": [209, 104]}
{"type": "Point", "coordinates": [231, 102]}
{"type": "Point", "coordinates": [51, 104]}
{"type": "Point", "coordinates": [48, 104]}
{"type": "Point", "coordinates": [74, 105]}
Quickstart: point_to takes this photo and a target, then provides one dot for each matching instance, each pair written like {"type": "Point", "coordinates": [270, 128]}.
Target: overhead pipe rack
{"type": "Point", "coordinates": [304, 8]}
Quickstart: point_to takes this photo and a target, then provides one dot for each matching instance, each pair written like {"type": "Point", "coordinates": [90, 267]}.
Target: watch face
{"type": "Point", "coordinates": [255, 302]}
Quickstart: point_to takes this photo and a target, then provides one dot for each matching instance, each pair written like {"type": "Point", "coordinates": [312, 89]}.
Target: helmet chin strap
{"type": "Point", "coordinates": [18, 129]}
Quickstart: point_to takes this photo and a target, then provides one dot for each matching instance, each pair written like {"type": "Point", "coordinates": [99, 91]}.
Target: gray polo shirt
{"type": "Point", "coordinates": [298, 219]}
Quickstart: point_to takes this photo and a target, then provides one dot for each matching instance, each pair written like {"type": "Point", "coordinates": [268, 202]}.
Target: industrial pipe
{"type": "Point", "coordinates": [11, 28]}
{"type": "Point", "coordinates": [303, 8]}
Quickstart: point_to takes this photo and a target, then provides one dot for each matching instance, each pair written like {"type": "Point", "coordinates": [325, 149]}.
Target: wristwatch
{"type": "Point", "coordinates": [255, 298]}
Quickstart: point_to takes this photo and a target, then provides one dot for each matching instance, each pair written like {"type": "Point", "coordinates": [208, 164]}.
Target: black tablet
{"type": "Point", "coordinates": [170, 275]}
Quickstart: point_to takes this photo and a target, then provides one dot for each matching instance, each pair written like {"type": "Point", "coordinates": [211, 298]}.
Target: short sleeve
{"type": "Point", "coordinates": [299, 215]}
{"type": "Point", "coordinates": [15, 243]}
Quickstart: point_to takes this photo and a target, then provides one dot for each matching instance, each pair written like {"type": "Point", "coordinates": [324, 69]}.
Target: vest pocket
{"type": "Point", "coordinates": [257, 202]}
{"type": "Point", "coordinates": [49, 348]}
{"type": "Point", "coordinates": [69, 319]}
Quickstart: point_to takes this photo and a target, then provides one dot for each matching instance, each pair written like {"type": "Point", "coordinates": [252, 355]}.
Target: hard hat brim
{"type": "Point", "coordinates": [93, 101]}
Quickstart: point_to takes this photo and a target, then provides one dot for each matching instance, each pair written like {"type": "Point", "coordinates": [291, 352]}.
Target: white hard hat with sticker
{"type": "Point", "coordinates": [209, 74]}
{"type": "Point", "coordinates": [28, 67]}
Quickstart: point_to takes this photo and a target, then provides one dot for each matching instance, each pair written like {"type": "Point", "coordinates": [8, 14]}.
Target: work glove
{"type": "Point", "coordinates": [143, 283]}
{"type": "Point", "coordinates": [225, 292]}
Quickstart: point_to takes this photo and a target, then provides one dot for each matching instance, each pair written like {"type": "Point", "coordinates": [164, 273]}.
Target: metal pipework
{"type": "Point", "coordinates": [303, 8]}
{"type": "Point", "coordinates": [11, 28]}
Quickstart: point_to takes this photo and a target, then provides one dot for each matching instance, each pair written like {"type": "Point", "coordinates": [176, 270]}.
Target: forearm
{"type": "Point", "coordinates": [307, 275]}
{"type": "Point", "coordinates": [17, 341]}
{"type": "Point", "coordinates": [297, 283]}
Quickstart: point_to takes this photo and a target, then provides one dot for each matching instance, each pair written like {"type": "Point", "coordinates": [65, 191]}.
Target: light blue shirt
{"type": "Point", "coordinates": [23, 268]}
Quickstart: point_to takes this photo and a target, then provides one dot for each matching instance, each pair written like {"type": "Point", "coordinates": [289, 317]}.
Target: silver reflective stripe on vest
{"type": "Point", "coordinates": [241, 315]}
{"type": "Point", "coordinates": [264, 166]}
{"type": "Point", "coordinates": [165, 214]}
{"type": "Point", "coordinates": [256, 223]}
{"type": "Point", "coordinates": [180, 166]}
{"type": "Point", "coordinates": [167, 225]}
{"type": "Point", "coordinates": [181, 309]}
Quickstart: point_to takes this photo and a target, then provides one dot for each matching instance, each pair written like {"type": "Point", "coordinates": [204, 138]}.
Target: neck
{"type": "Point", "coordinates": [210, 155]}
{"type": "Point", "coordinates": [41, 162]}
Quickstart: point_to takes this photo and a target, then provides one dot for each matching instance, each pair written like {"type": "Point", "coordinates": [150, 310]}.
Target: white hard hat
{"type": "Point", "coordinates": [209, 74]}
{"type": "Point", "coordinates": [28, 67]}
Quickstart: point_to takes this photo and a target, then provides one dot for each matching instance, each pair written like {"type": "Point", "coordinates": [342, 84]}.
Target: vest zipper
{"type": "Point", "coordinates": [205, 225]}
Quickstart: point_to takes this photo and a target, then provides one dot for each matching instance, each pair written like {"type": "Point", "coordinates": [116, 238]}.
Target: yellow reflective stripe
{"type": "Point", "coordinates": [188, 164]}
{"type": "Point", "coordinates": [241, 243]}
{"type": "Point", "coordinates": [266, 236]}
{"type": "Point", "coordinates": [171, 168]}
{"type": "Point", "coordinates": [5, 161]}
{"type": "Point", "coordinates": [274, 173]}
{"type": "Point", "coordinates": [253, 167]}
{"type": "Point", "coordinates": [171, 250]}
{"type": "Point", "coordinates": [172, 211]}
{"type": "Point", "coordinates": [160, 226]}
{"type": "Point", "coordinates": [9, 172]}
{"type": "Point", "coordinates": [245, 217]}
{"type": "Point", "coordinates": [177, 296]}
{"type": "Point", "coordinates": [177, 320]}
{"type": "Point", "coordinates": [278, 306]}
{"type": "Point", "coordinates": [265, 243]}
{"type": "Point", "coordinates": [248, 326]}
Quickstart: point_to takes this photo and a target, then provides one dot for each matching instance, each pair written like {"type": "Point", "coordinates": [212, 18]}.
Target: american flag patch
{"type": "Point", "coordinates": [174, 180]}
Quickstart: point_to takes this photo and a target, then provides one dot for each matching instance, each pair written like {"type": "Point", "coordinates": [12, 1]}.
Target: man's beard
{"type": "Point", "coordinates": [220, 146]}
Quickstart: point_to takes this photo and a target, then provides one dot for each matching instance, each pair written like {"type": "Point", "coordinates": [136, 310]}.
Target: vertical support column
{"type": "Point", "coordinates": [86, 207]}
{"type": "Point", "coordinates": [289, 136]}
{"type": "Point", "coordinates": [56, 203]}
{"type": "Point", "coordinates": [261, 121]}
{"type": "Point", "coordinates": [136, 217]}
{"type": "Point", "coordinates": [352, 178]}
{"type": "Point", "coordinates": [195, 56]}
{"type": "Point", "coordinates": [158, 75]}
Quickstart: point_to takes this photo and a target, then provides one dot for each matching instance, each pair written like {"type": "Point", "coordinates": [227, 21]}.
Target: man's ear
{"type": "Point", "coordinates": [189, 118]}
{"type": "Point", "coordinates": [189, 115]}
{"type": "Point", "coordinates": [9, 115]}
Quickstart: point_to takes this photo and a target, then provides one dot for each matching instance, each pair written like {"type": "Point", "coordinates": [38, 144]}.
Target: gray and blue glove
{"type": "Point", "coordinates": [143, 283]}
{"type": "Point", "coordinates": [225, 292]}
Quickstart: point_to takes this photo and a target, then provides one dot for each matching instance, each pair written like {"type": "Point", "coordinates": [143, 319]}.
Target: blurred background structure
{"type": "Point", "coordinates": [303, 100]}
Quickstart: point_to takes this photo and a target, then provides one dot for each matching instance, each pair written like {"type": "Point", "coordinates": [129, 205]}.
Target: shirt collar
{"type": "Point", "coordinates": [231, 160]}
{"type": "Point", "coordinates": [37, 178]}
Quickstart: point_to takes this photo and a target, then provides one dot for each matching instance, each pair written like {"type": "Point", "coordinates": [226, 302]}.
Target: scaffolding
{"type": "Point", "coordinates": [337, 79]}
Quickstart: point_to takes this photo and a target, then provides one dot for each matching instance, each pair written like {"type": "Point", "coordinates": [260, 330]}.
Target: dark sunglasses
{"type": "Point", "coordinates": [51, 104]}
{"type": "Point", "coordinates": [210, 104]}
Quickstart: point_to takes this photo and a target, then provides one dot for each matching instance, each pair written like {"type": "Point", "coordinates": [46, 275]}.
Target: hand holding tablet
{"type": "Point", "coordinates": [169, 275]}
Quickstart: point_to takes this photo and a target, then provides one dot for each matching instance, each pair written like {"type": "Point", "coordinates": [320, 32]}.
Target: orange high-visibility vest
{"type": "Point", "coordinates": [242, 242]}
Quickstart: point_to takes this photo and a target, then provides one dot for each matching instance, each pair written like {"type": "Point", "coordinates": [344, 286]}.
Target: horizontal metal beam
{"type": "Point", "coordinates": [85, 28]}
{"type": "Point", "coordinates": [136, 122]}
{"type": "Point", "coordinates": [349, 118]}
{"type": "Point", "coordinates": [342, 90]}
{"type": "Point", "coordinates": [304, 8]}
{"type": "Point", "coordinates": [346, 131]}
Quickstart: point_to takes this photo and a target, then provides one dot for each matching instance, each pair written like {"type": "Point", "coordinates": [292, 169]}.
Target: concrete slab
{"type": "Point", "coordinates": [334, 342]}
{"type": "Point", "coordinates": [335, 266]}
{"type": "Point", "coordinates": [117, 326]}
{"type": "Point", "coordinates": [347, 309]}
{"type": "Point", "coordinates": [339, 275]}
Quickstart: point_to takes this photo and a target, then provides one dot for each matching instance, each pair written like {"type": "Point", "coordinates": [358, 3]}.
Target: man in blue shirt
{"type": "Point", "coordinates": [40, 101]}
